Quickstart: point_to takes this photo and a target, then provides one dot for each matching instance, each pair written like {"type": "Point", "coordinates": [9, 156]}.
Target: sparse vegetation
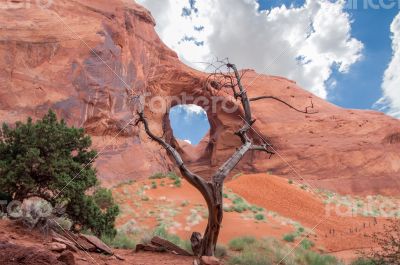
{"type": "Point", "coordinates": [290, 181]}
{"type": "Point", "coordinates": [153, 185]}
{"type": "Point", "coordinates": [307, 244]}
{"type": "Point", "coordinates": [270, 251]}
{"type": "Point", "coordinates": [259, 216]}
{"type": "Point", "coordinates": [239, 244]}
{"type": "Point", "coordinates": [363, 261]}
{"type": "Point", "coordinates": [120, 241]}
{"type": "Point", "coordinates": [158, 175]}
{"type": "Point", "coordinates": [289, 237]}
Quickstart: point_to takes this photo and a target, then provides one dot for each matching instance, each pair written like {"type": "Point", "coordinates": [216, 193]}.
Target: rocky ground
{"type": "Point", "coordinates": [19, 245]}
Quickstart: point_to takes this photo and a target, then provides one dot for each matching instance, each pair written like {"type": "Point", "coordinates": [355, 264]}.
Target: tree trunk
{"type": "Point", "coordinates": [215, 213]}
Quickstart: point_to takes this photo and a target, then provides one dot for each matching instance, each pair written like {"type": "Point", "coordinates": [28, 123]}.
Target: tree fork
{"type": "Point", "coordinates": [212, 190]}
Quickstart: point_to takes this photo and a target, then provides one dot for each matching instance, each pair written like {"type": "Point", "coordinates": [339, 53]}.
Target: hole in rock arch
{"type": "Point", "coordinates": [189, 123]}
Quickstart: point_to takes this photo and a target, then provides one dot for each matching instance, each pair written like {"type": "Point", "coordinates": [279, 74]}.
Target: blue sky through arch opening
{"type": "Point", "coordinates": [189, 123]}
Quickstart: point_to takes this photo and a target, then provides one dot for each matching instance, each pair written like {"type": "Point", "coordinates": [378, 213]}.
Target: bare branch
{"type": "Point", "coordinates": [287, 104]}
{"type": "Point", "coordinates": [192, 178]}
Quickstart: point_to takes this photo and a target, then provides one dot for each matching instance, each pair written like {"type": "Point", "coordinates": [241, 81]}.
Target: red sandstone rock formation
{"type": "Point", "coordinates": [88, 60]}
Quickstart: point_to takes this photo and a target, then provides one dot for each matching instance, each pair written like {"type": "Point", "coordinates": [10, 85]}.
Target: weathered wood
{"type": "Point", "coordinates": [195, 241]}
{"type": "Point", "coordinates": [158, 241]}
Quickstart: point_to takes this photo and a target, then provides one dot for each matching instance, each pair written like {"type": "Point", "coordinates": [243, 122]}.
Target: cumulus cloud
{"type": "Point", "coordinates": [390, 102]}
{"type": "Point", "coordinates": [302, 43]}
{"type": "Point", "coordinates": [193, 109]}
{"type": "Point", "coordinates": [187, 112]}
{"type": "Point", "coordinates": [188, 141]}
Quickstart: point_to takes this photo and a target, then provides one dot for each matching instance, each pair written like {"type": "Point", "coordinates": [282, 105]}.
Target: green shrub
{"type": "Point", "coordinates": [307, 244]}
{"type": "Point", "coordinates": [177, 183]}
{"type": "Point", "coordinates": [289, 237]}
{"type": "Point", "coordinates": [290, 181]}
{"type": "Point", "coordinates": [249, 258]}
{"type": "Point", "coordinates": [363, 261]}
{"type": "Point", "coordinates": [300, 229]}
{"type": "Point", "coordinates": [259, 216]}
{"type": "Point", "coordinates": [239, 243]}
{"type": "Point", "coordinates": [64, 222]}
{"type": "Point", "coordinates": [55, 162]}
{"type": "Point", "coordinates": [158, 175]}
{"type": "Point", "coordinates": [153, 185]}
{"type": "Point", "coordinates": [172, 176]}
{"type": "Point", "coordinates": [120, 241]}
{"type": "Point", "coordinates": [312, 258]}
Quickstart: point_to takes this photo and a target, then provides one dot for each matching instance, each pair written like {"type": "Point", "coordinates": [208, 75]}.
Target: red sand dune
{"type": "Point", "coordinates": [278, 195]}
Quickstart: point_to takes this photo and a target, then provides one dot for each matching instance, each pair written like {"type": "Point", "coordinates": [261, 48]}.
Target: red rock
{"type": "Point", "coordinates": [98, 243]}
{"type": "Point", "coordinates": [67, 257]}
{"type": "Point", "coordinates": [58, 247]}
{"type": "Point", "coordinates": [44, 64]}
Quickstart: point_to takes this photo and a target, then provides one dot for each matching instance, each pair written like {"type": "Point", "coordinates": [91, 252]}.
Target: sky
{"type": "Point", "coordinates": [347, 52]}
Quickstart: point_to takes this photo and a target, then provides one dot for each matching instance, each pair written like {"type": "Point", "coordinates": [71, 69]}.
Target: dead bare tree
{"type": "Point", "coordinates": [212, 190]}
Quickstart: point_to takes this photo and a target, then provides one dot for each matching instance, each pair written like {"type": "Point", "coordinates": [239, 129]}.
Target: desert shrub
{"type": "Point", "coordinates": [177, 183]}
{"type": "Point", "coordinates": [289, 237]}
{"type": "Point", "coordinates": [120, 241]}
{"type": "Point", "coordinates": [250, 258]}
{"type": "Point", "coordinates": [259, 216]}
{"type": "Point", "coordinates": [49, 160]}
{"type": "Point", "coordinates": [84, 211]}
{"type": "Point", "coordinates": [239, 243]}
{"type": "Point", "coordinates": [153, 185]}
{"type": "Point", "coordinates": [300, 229]}
{"type": "Point", "coordinates": [307, 244]}
{"type": "Point", "coordinates": [158, 175]}
{"type": "Point", "coordinates": [172, 175]}
{"type": "Point", "coordinates": [64, 222]}
{"type": "Point", "coordinates": [103, 198]}
{"type": "Point", "coordinates": [313, 258]}
{"type": "Point", "coordinates": [271, 251]}
{"type": "Point", "coordinates": [290, 181]}
{"type": "Point", "coordinates": [363, 261]}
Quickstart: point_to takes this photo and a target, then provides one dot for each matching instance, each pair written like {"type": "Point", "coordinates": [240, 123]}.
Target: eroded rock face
{"type": "Point", "coordinates": [89, 60]}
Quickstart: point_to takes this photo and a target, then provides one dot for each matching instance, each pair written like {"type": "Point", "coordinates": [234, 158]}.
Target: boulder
{"type": "Point", "coordinates": [58, 247]}
{"type": "Point", "coordinates": [67, 257]}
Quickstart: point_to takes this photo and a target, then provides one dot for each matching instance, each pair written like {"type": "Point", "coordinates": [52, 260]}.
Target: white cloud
{"type": "Point", "coordinates": [193, 109]}
{"type": "Point", "coordinates": [188, 141]}
{"type": "Point", "coordinates": [303, 43]}
{"type": "Point", "coordinates": [390, 101]}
